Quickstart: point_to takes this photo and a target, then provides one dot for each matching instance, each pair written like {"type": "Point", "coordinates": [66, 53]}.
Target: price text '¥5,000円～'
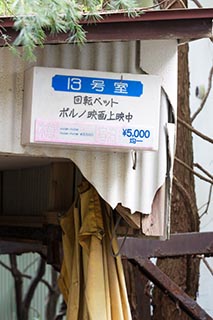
{"type": "Point", "coordinates": [130, 133]}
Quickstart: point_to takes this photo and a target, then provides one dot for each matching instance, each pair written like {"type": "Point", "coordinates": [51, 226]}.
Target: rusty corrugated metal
{"type": "Point", "coordinates": [111, 173]}
{"type": "Point", "coordinates": [154, 24]}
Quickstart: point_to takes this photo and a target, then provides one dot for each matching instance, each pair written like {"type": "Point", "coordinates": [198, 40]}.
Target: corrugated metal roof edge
{"type": "Point", "coordinates": [154, 24]}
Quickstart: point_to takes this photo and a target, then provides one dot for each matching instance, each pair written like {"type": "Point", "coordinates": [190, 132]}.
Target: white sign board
{"type": "Point", "coordinates": [90, 108]}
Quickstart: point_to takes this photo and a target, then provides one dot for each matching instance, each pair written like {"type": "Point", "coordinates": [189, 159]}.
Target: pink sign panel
{"type": "Point", "coordinates": [55, 132]}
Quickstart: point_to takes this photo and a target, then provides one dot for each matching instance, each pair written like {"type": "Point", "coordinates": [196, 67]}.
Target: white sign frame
{"type": "Point", "coordinates": [81, 108]}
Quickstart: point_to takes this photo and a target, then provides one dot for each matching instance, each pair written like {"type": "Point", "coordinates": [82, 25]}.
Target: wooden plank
{"type": "Point", "coordinates": [15, 247]}
{"type": "Point", "coordinates": [153, 224]}
{"type": "Point", "coordinates": [30, 220]}
{"type": "Point", "coordinates": [22, 221]}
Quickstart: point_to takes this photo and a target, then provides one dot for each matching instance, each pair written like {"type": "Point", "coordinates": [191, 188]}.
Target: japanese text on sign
{"type": "Point", "coordinates": [131, 88]}
{"type": "Point", "coordinates": [85, 107]}
{"type": "Point", "coordinates": [72, 113]}
{"type": "Point", "coordinates": [95, 113]}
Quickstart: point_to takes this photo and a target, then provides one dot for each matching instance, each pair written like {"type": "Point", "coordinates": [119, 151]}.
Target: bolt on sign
{"type": "Point", "coordinates": [116, 111]}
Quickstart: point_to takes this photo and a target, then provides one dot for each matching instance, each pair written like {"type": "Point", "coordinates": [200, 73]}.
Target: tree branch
{"type": "Point", "coordinates": [198, 133]}
{"type": "Point", "coordinates": [62, 312]}
{"type": "Point", "coordinates": [189, 203]}
{"type": "Point", "coordinates": [197, 165]}
{"type": "Point", "coordinates": [198, 4]}
{"type": "Point", "coordinates": [194, 172]}
{"type": "Point", "coordinates": [205, 97]}
{"type": "Point", "coordinates": [5, 266]}
{"type": "Point", "coordinates": [52, 298]}
{"type": "Point", "coordinates": [208, 202]}
{"type": "Point", "coordinates": [34, 283]}
{"type": "Point", "coordinates": [31, 264]}
{"type": "Point", "coordinates": [7, 10]}
{"type": "Point", "coordinates": [206, 263]}
{"type": "Point", "coordinates": [18, 284]}
{"type": "Point", "coordinates": [202, 178]}
{"type": "Point", "coordinates": [174, 1]}
{"type": "Point", "coordinates": [45, 282]}
{"type": "Point", "coordinates": [149, 7]}
{"type": "Point", "coordinates": [27, 276]}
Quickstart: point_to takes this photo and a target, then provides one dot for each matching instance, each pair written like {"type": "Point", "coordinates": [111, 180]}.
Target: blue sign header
{"type": "Point", "coordinates": [117, 87]}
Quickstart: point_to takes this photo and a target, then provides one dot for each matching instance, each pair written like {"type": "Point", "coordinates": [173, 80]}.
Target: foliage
{"type": "Point", "coordinates": [33, 18]}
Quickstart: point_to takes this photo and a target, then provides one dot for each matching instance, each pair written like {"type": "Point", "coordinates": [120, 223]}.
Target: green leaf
{"type": "Point", "coordinates": [33, 18]}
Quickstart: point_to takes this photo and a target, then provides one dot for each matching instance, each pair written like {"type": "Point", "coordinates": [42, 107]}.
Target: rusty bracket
{"type": "Point", "coordinates": [174, 292]}
{"type": "Point", "coordinates": [195, 243]}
